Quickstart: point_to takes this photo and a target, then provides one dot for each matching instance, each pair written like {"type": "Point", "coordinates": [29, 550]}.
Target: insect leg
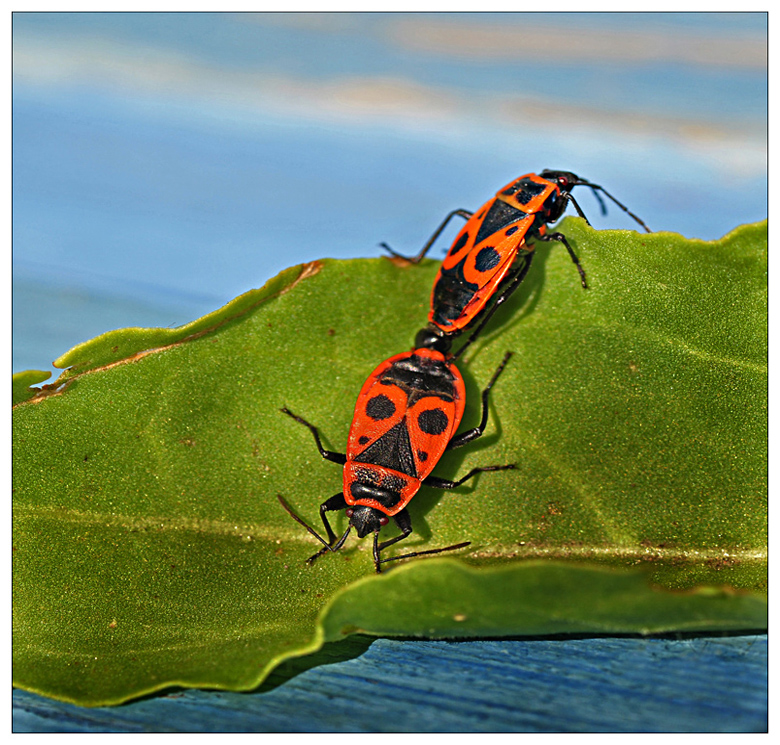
{"type": "Point", "coordinates": [424, 250]}
{"type": "Point", "coordinates": [437, 483]}
{"type": "Point", "coordinates": [425, 553]}
{"type": "Point", "coordinates": [339, 458]}
{"type": "Point", "coordinates": [336, 502]}
{"type": "Point", "coordinates": [473, 434]}
{"type": "Point", "coordinates": [512, 284]}
{"type": "Point", "coordinates": [570, 198]}
{"type": "Point", "coordinates": [404, 522]}
{"type": "Point", "coordinates": [561, 238]}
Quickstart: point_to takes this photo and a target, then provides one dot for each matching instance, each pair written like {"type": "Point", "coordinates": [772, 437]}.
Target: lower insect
{"type": "Point", "coordinates": [407, 415]}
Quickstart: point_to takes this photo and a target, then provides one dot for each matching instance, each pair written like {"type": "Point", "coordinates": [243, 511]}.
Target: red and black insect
{"type": "Point", "coordinates": [492, 253]}
{"type": "Point", "coordinates": [406, 416]}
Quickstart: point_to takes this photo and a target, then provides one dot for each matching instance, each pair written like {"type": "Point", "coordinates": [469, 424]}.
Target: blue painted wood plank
{"type": "Point", "coordinates": [699, 684]}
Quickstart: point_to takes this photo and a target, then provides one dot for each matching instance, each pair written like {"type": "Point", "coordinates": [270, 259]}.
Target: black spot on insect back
{"type": "Point", "coordinates": [433, 421]}
{"type": "Point", "coordinates": [459, 243]}
{"type": "Point", "coordinates": [487, 259]}
{"type": "Point", "coordinates": [380, 407]}
{"type": "Point", "coordinates": [524, 190]}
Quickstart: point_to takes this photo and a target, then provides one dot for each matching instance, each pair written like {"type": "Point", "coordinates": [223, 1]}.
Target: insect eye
{"type": "Point", "coordinates": [349, 512]}
{"type": "Point", "coordinates": [384, 520]}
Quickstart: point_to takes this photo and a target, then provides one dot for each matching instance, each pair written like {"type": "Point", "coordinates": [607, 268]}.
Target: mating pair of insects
{"type": "Point", "coordinates": [409, 409]}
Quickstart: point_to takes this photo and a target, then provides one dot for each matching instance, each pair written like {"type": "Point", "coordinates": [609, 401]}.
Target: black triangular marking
{"type": "Point", "coordinates": [391, 450]}
{"type": "Point", "coordinates": [499, 216]}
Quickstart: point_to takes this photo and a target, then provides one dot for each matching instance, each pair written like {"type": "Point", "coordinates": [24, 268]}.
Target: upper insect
{"type": "Point", "coordinates": [492, 253]}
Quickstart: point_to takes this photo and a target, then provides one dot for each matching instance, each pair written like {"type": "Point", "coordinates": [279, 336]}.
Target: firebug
{"type": "Point", "coordinates": [406, 417]}
{"type": "Point", "coordinates": [492, 253]}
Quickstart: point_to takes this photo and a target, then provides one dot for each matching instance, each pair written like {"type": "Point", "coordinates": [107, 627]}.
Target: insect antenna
{"type": "Point", "coordinates": [335, 547]}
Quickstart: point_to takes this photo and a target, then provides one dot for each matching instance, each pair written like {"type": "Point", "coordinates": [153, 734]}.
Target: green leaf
{"type": "Point", "coordinates": [150, 549]}
{"type": "Point", "coordinates": [537, 597]}
{"type": "Point", "coordinates": [22, 384]}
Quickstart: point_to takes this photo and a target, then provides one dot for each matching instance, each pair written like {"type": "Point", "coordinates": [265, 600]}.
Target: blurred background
{"type": "Point", "coordinates": [165, 163]}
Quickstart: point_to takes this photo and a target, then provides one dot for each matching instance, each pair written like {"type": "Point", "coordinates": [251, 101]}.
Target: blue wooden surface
{"type": "Point", "coordinates": [164, 163]}
{"type": "Point", "coordinates": [700, 684]}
